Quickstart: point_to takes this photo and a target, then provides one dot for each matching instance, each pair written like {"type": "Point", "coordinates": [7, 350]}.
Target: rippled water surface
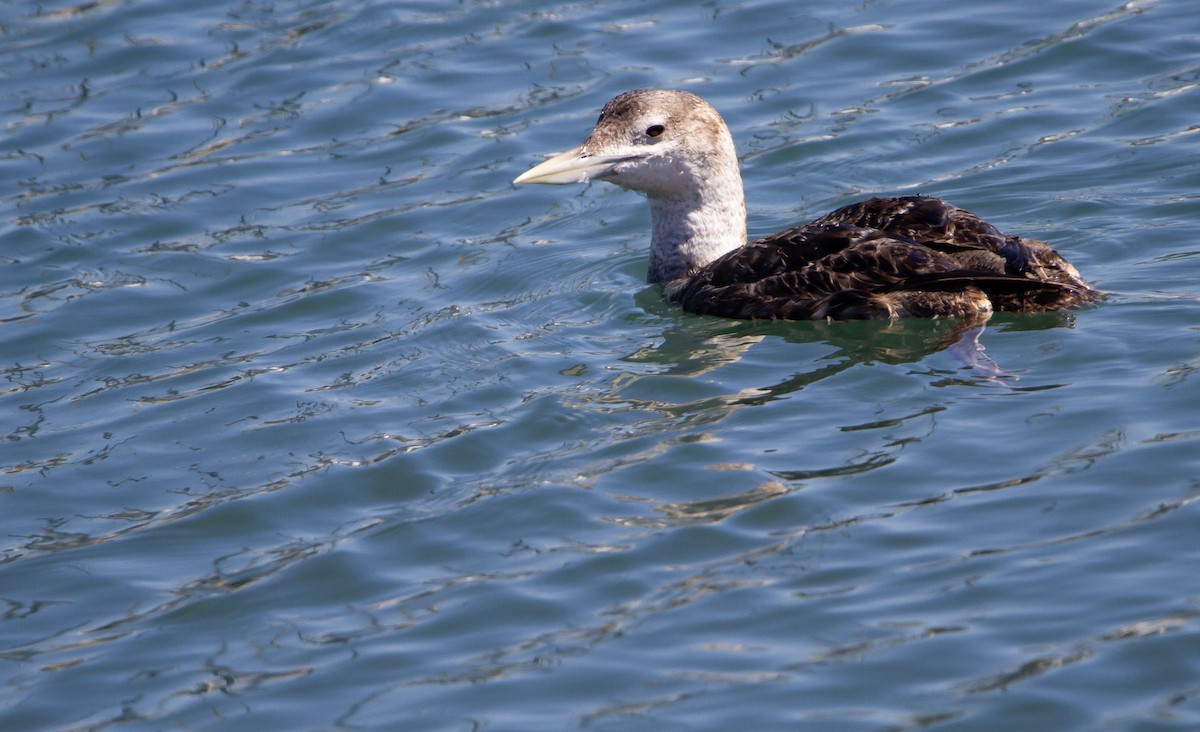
{"type": "Point", "coordinates": [312, 420]}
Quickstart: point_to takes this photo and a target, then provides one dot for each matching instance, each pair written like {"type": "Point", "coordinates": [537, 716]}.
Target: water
{"type": "Point", "coordinates": [314, 421]}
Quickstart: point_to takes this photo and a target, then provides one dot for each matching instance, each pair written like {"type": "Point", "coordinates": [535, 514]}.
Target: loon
{"type": "Point", "coordinates": [877, 259]}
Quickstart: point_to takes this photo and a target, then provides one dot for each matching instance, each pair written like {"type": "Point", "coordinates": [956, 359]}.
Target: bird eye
{"type": "Point", "coordinates": [655, 130]}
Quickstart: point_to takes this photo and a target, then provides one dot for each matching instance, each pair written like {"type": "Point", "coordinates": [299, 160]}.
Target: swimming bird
{"type": "Point", "coordinates": [877, 259]}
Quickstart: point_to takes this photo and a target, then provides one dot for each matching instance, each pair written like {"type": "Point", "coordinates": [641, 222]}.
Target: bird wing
{"type": "Point", "coordinates": [931, 221]}
{"type": "Point", "coordinates": [842, 271]}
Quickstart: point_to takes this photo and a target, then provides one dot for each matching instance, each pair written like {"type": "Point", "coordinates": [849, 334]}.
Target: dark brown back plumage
{"type": "Point", "coordinates": [881, 258]}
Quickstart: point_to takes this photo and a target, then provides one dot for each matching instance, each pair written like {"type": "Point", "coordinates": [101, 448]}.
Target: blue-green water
{"type": "Point", "coordinates": [313, 421]}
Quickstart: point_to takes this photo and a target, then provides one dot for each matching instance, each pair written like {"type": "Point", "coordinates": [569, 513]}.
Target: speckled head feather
{"type": "Point", "coordinates": [681, 155]}
{"type": "Point", "coordinates": [675, 148]}
{"type": "Point", "coordinates": [626, 118]}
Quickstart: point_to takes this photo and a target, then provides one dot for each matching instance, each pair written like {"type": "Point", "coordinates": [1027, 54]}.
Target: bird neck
{"type": "Point", "coordinates": [694, 226]}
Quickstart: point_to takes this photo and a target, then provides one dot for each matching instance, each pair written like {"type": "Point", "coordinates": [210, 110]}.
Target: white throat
{"type": "Point", "coordinates": [697, 221]}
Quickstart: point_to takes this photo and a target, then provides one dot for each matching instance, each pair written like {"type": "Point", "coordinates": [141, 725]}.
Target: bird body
{"type": "Point", "coordinates": [880, 258]}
